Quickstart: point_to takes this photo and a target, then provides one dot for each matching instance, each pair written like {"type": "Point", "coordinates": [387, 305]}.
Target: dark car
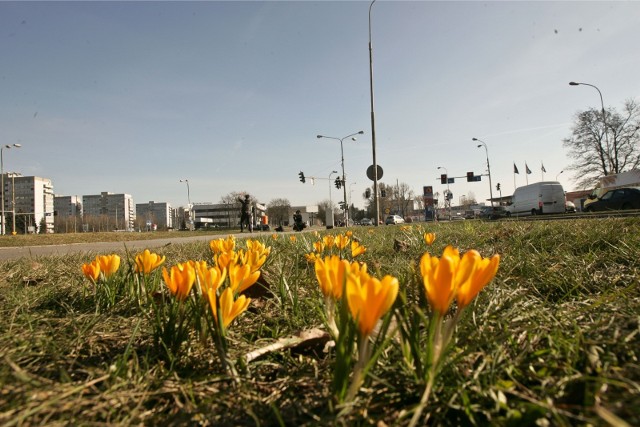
{"type": "Point", "coordinates": [618, 199]}
{"type": "Point", "coordinates": [492, 212]}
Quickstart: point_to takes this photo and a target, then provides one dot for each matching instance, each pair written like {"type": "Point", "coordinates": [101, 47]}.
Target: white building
{"type": "Point", "coordinates": [31, 198]}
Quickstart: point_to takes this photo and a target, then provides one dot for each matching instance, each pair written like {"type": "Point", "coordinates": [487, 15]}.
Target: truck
{"type": "Point", "coordinates": [630, 178]}
{"type": "Point", "coordinates": [546, 197]}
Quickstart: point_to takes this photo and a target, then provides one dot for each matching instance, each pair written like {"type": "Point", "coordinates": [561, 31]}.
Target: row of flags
{"type": "Point", "coordinates": [515, 168]}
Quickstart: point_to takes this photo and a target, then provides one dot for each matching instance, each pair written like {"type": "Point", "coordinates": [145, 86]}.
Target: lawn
{"type": "Point", "coordinates": [553, 339]}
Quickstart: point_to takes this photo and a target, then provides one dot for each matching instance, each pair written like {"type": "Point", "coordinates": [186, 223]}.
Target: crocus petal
{"type": "Point", "coordinates": [231, 309]}
{"type": "Point", "coordinates": [485, 271]}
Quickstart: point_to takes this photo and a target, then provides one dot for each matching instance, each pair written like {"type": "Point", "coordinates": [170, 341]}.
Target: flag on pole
{"type": "Point", "coordinates": [515, 169]}
{"type": "Point", "coordinates": [527, 169]}
{"type": "Point", "coordinates": [543, 169]}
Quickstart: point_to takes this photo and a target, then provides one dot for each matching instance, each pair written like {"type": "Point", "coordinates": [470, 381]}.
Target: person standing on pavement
{"type": "Point", "coordinates": [245, 213]}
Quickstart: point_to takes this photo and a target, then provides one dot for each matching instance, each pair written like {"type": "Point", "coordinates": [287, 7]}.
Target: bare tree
{"type": "Point", "coordinates": [278, 211]}
{"type": "Point", "coordinates": [598, 151]}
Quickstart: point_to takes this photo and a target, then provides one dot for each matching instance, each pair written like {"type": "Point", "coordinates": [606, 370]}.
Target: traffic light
{"type": "Point", "coordinates": [498, 186]}
{"type": "Point", "coordinates": [383, 193]}
{"type": "Point", "coordinates": [301, 174]}
{"type": "Point", "coordinates": [443, 178]}
{"type": "Point", "coordinates": [367, 193]}
{"type": "Point", "coordinates": [470, 177]}
{"type": "Point", "coordinates": [338, 183]}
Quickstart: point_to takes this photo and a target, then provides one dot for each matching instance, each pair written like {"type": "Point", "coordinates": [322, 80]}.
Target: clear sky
{"type": "Point", "coordinates": [132, 97]}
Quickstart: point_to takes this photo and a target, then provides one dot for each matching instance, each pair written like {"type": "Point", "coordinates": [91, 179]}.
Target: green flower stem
{"type": "Point", "coordinates": [364, 354]}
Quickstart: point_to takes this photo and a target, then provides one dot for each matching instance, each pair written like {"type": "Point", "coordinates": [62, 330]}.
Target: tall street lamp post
{"type": "Point", "coordinates": [188, 201]}
{"type": "Point", "coordinates": [344, 179]}
{"type": "Point", "coordinates": [8, 147]}
{"type": "Point", "coordinates": [486, 150]}
{"type": "Point", "coordinates": [559, 174]}
{"type": "Point", "coordinates": [373, 126]}
{"type": "Point", "coordinates": [13, 203]}
{"type": "Point", "coordinates": [604, 122]}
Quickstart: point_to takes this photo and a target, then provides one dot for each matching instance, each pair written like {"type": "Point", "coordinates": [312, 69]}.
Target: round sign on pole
{"type": "Point", "coordinates": [370, 173]}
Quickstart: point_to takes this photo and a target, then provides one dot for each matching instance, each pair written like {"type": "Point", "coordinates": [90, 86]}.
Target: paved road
{"type": "Point", "coordinates": [13, 253]}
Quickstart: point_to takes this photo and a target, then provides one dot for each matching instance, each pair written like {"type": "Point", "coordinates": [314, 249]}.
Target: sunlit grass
{"type": "Point", "coordinates": [554, 339]}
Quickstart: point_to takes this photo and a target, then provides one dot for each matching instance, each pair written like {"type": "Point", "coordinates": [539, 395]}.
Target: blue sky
{"type": "Point", "coordinates": [131, 97]}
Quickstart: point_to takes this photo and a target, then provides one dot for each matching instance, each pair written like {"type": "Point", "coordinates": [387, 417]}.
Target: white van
{"type": "Point", "coordinates": [546, 197]}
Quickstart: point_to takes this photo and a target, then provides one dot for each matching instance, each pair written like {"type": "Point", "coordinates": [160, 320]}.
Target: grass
{"type": "Point", "coordinates": [69, 238]}
{"type": "Point", "coordinates": [553, 340]}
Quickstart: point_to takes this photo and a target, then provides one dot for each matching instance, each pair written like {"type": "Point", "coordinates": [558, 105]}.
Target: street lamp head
{"type": "Point", "coordinates": [573, 84]}
{"type": "Point", "coordinates": [353, 138]}
{"type": "Point", "coordinates": [17, 145]}
{"type": "Point", "coordinates": [319, 136]}
{"type": "Point", "coordinates": [479, 145]}
{"type": "Point", "coordinates": [475, 139]}
{"type": "Point", "coordinates": [334, 172]}
{"type": "Point", "coordinates": [361, 132]}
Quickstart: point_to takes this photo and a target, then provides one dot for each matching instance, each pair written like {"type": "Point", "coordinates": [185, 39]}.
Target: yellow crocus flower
{"type": "Point", "coordinates": [349, 233]}
{"type": "Point", "coordinates": [429, 238]}
{"type": "Point", "coordinates": [357, 249]}
{"type": "Point", "coordinates": [330, 273]}
{"type": "Point", "coordinates": [253, 258]}
{"type": "Point", "coordinates": [341, 241]}
{"type": "Point", "coordinates": [328, 241]}
{"type": "Point", "coordinates": [241, 277]}
{"type": "Point", "coordinates": [109, 264]}
{"type": "Point", "coordinates": [369, 299]}
{"type": "Point", "coordinates": [229, 309]}
{"type": "Point", "coordinates": [209, 277]}
{"type": "Point", "coordinates": [311, 257]}
{"type": "Point", "coordinates": [443, 277]}
{"type": "Point", "coordinates": [485, 270]}
{"type": "Point", "coordinates": [180, 279]}
{"type": "Point", "coordinates": [293, 239]}
{"type": "Point", "coordinates": [147, 261]}
{"type": "Point", "coordinates": [91, 271]}
{"type": "Point", "coordinates": [224, 259]}
{"type": "Point", "coordinates": [223, 245]}
{"type": "Point", "coordinates": [318, 246]}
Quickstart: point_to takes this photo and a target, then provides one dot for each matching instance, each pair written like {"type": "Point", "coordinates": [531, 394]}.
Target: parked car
{"type": "Point", "coordinates": [620, 198]}
{"type": "Point", "coordinates": [492, 212]}
{"type": "Point", "coordinates": [366, 221]}
{"type": "Point", "coordinates": [569, 207]}
{"type": "Point", "coordinates": [394, 219]}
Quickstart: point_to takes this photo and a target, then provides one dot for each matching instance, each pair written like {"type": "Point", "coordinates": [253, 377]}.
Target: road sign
{"type": "Point", "coordinates": [370, 172]}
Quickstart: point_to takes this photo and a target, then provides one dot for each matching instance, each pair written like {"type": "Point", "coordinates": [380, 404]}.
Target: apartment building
{"type": "Point", "coordinates": [67, 214]}
{"type": "Point", "coordinates": [31, 199]}
{"type": "Point", "coordinates": [155, 215]}
{"type": "Point", "coordinates": [108, 211]}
